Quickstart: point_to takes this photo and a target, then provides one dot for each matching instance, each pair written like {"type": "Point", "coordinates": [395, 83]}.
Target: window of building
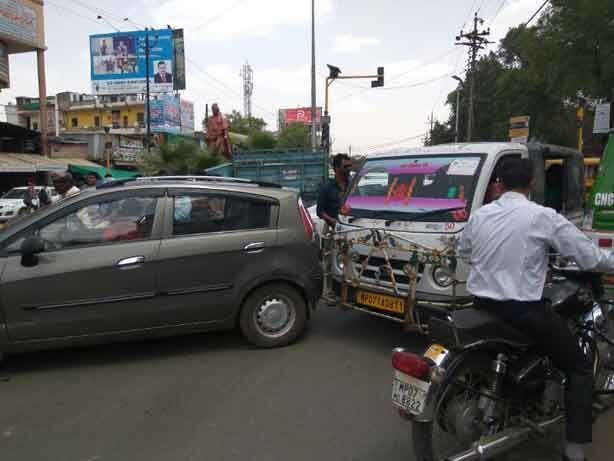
{"type": "Point", "coordinates": [115, 115]}
{"type": "Point", "coordinates": [206, 213]}
{"type": "Point", "coordinates": [74, 122]}
{"type": "Point", "coordinates": [125, 121]}
{"type": "Point", "coordinates": [35, 126]}
{"type": "Point", "coordinates": [140, 118]}
{"type": "Point", "coordinates": [97, 121]}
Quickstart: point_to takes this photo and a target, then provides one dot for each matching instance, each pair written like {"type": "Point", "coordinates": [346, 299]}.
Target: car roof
{"type": "Point", "coordinates": [489, 148]}
{"type": "Point", "coordinates": [200, 183]}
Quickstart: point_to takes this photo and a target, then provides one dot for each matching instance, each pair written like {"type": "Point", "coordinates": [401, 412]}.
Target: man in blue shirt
{"type": "Point", "coordinates": [332, 191]}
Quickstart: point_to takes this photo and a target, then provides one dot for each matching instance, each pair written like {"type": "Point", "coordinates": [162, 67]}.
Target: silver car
{"type": "Point", "coordinates": [159, 256]}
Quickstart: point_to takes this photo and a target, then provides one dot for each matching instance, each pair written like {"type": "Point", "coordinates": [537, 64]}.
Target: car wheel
{"type": "Point", "coordinates": [274, 315]}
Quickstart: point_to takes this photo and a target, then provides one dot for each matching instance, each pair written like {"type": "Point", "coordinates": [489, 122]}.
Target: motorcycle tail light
{"type": "Point", "coordinates": [605, 243]}
{"type": "Point", "coordinates": [410, 364]}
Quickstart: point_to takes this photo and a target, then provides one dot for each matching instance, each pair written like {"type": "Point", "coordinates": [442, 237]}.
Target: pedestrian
{"type": "Point", "coordinates": [91, 180]}
{"type": "Point", "coordinates": [64, 184]}
{"type": "Point", "coordinates": [217, 136]}
{"type": "Point", "coordinates": [30, 198]}
{"type": "Point", "coordinates": [506, 244]}
{"type": "Point", "coordinates": [332, 191]}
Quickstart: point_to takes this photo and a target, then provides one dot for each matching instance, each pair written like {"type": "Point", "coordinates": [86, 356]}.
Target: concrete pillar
{"type": "Point", "coordinates": [42, 95]}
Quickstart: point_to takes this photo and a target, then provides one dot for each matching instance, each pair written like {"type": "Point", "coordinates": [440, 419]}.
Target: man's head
{"type": "Point", "coordinates": [162, 68]}
{"type": "Point", "coordinates": [342, 164]}
{"type": "Point", "coordinates": [62, 182]}
{"type": "Point", "coordinates": [215, 108]}
{"type": "Point", "coordinates": [517, 175]}
{"type": "Point", "coordinates": [91, 179]}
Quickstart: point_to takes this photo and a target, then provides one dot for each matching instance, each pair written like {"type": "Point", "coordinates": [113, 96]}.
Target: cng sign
{"type": "Point", "coordinates": [604, 199]}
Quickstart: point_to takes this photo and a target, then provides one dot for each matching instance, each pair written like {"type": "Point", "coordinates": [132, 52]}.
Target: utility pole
{"type": "Point", "coordinates": [458, 88]}
{"type": "Point", "coordinates": [313, 76]}
{"type": "Point", "coordinates": [475, 40]}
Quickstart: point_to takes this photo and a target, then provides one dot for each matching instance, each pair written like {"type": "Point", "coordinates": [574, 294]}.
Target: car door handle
{"type": "Point", "coordinates": [130, 262]}
{"type": "Point", "coordinates": [254, 248]}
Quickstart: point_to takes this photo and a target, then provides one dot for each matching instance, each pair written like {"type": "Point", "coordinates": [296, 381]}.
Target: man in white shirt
{"type": "Point", "coordinates": [506, 244]}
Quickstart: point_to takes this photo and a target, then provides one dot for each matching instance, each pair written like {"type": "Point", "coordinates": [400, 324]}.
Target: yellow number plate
{"type": "Point", "coordinates": [382, 302]}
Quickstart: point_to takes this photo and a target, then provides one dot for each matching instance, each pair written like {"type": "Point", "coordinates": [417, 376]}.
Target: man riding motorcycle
{"type": "Point", "coordinates": [506, 244]}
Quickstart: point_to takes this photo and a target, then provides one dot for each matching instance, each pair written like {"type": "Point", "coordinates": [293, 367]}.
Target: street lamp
{"type": "Point", "coordinates": [101, 18]}
{"type": "Point", "coordinates": [313, 76]}
{"type": "Point", "coordinates": [460, 81]}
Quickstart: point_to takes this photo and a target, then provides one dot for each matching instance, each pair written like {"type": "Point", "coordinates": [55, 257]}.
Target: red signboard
{"type": "Point", "coordinates": [300, 115]}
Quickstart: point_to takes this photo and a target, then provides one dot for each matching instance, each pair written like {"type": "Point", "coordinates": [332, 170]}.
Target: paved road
{"type": "Point", "coordinates": [212, 397]}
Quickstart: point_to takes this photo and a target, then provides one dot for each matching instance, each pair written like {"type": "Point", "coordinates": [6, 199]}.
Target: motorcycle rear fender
{"type": "Point", "coordinates": [449, 362]}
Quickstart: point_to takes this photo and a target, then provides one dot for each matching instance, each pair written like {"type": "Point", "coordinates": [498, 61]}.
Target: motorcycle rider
{"type": "Point", "coordinates": [506, 244]}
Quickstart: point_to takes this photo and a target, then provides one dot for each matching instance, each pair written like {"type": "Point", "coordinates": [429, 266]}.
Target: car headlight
{"type": "Point", "coordinates": [443, 277]}
{"type": "Point", "coordinates": [340, 262]}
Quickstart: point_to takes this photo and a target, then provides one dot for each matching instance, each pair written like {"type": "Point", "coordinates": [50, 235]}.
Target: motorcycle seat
{"type": "Point", "coordinates": [473, 325]}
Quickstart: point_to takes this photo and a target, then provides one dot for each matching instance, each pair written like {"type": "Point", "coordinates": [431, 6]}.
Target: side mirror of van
{"type": "Point", "coordinates": [30, 248]}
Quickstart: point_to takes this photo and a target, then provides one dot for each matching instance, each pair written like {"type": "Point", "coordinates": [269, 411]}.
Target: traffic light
{"type": "Point", "coordinates": [333, 71]}
{"type": "Point", "coordinates": [380, 78]}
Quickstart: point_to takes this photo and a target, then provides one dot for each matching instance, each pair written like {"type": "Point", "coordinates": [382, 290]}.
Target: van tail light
{"type": "Point", "coordinates": [307, 222]}
{"type": "Point", "coordinates": [605, 243]}
{"type": "Point", "coordinates": [410, 364]}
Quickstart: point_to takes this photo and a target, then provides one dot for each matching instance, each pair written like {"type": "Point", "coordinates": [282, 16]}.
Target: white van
{"type": "Point", "coordinates": [404, 208]}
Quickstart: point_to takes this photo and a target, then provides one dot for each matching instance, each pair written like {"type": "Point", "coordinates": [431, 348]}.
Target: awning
{"type": "Point", "coordinates": [84, 167]}
{"type": "Point", "coordinates": [29, 163]}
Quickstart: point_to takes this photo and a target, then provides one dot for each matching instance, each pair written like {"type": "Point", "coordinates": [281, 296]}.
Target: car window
{"type": "Point", "coordinates": [128, 218]}
{"type": "Point", "coordinates": [206, 213]}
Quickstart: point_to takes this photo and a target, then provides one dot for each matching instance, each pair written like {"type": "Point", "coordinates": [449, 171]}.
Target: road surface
{"type": "Point", "coordinates": [212, 397]}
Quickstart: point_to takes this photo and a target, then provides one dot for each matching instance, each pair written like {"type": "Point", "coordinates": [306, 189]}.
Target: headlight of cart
{"type": "Point", "coordinates": [339, 262]}
{"type": "Point", "coordinates": [443, 277]}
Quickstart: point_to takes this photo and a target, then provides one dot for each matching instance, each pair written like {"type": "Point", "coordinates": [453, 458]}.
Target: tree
{"type": "Point", "coordinates": [294, 135]}
{"type": "Point", "coordinates": [261, 140]}
{"type": "Point", "coordinates": [184, 157]}
{"type": "Point", "coordinates": [244, 125]}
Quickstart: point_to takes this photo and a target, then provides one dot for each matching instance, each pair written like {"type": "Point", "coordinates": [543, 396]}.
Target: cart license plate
{"type": "Point", "coordinates": [381, 302]}
{"type": "Point", "coordinates": [409, 393]}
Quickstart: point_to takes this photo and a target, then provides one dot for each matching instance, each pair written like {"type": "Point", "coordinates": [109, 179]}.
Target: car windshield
{"type": "Point", "coordinates": [432, 188]}
{"type": "Point", "coordinates": [15, 194]}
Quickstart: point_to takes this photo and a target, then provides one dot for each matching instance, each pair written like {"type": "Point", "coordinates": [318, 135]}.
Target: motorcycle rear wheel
{"type": "Point", "coordinates": [455, 410]}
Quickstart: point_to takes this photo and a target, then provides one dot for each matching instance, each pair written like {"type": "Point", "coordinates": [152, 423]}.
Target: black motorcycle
{"type": "Point", "coordinates": [482, 388]}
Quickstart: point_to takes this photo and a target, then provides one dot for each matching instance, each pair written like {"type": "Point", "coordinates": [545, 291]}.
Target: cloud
{"type": "Point", "coordinates": [210, 21]}
{"type": "Point", "coordinates": [348, 43]}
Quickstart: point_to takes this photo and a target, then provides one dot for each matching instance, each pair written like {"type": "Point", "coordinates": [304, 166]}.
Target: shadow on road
{"type": "Point", "coordinates": [118, 353]}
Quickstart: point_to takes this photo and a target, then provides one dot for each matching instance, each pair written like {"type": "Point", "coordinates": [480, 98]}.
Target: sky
{"type": "Point", "coordinates": [412, 39]}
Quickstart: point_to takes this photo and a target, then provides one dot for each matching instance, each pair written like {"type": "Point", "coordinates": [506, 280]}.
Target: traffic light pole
{"type": "Point", "coordinates": [378, 82]}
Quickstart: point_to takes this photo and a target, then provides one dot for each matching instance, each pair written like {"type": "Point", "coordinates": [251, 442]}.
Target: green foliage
{"type": "Point", "coordinates": [294, 135]}
{"type": "Point", "coordinates": [244, 125]}
{"type": "Point", "coordinates": [183, 157]}
{"type": "Point", "coordinates": [539, 71]}
{"type": "Point", "coordinates": [261, 140]}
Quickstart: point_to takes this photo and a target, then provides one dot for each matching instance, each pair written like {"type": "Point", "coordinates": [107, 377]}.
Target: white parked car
{"type": "Point", "coordinates": [12, 201]}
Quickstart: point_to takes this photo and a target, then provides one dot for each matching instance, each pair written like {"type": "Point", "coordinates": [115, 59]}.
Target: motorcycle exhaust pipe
{"type": "Point", "coordinates": [502, 442]}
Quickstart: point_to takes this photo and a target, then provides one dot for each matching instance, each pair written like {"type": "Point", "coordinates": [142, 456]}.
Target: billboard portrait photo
{"type": "Point", "coordinates": [119, 62]}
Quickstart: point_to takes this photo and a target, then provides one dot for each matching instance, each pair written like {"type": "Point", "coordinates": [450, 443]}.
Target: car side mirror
{"type": "Point", "coordinates": [30, 248]}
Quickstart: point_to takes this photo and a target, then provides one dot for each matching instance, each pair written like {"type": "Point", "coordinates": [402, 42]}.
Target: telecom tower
{"type": "Point", "coordinates": [247, 74]}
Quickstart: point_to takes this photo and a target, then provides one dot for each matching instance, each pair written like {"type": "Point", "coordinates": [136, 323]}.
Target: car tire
{"type": "Point", "coordinates": [274, 315]}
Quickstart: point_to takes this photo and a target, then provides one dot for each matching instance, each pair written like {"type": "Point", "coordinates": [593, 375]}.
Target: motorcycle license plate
{"type": "Point", "coordinates": [409, 393]}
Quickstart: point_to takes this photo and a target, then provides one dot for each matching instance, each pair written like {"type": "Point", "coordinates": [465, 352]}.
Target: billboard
{"type": "Point", "coordinates": [519, 128]}
{"type": "Point", "coordinates": [179, 62]}
{"type": "Point", "coordinates": [119, 65]}
{"type": "Point", "coordinates": [602, 119]}
{"type": "Point", "coordinates": [165, 114]}
{"type": "Point", "coordinates": [128, 150]}
{"type": "Point", "coordinates": [22, 25]}
{"type": "Point", "coordinates": [299, 115]}
{"type": "Point", "coordinates": [187, 117]}
{"type": "Point", "coordinates": [5, 80]}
